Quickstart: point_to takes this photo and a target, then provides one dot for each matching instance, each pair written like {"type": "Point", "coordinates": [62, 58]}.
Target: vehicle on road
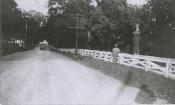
{"type": "Point", "coordinates": [42, 46]}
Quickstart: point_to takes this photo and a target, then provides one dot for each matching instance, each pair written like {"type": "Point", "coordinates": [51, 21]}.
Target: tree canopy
{"type": "Point", "coordinates": [158, 28]}
{"type": "Point", "coordinates": [107, 23]}
{"type": "Point", "coordinates": [99, 27]}
{"type": "Point", "coordinates": [14, 21]}
{"type": "Point", "coordinates": [113, 21]}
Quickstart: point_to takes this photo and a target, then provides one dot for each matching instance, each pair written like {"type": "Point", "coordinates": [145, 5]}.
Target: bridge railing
{"type": "Point", "coordinates": [162, 66]}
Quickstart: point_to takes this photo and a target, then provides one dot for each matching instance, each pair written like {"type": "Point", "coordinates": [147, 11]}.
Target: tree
{"type": "Point", "coordinates": [117, 25]}
{"type": "Point", "coordinates": [8, 9]}
{"type": "Point", "coordinates": [36, 26]}
{"type": "Point", "coordinates": [158, 28]}
{"type": "Point", "coordinates": [18, 25]}
{"type": "Point", "coordinates": [106, 24]}
{"type": "Point", "coordinates": [62, 16]}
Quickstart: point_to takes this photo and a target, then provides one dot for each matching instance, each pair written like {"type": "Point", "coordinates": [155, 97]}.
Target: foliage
{"type": "Point", "coordinates": [14, 21]}
{"type": "Point", "coordinates": [158, 28]}
{"type": "Point", "coordinates": [111, 21]}
{"type": "Point", "coordinates": [107, 23]}
{"type": "Point", "coordinates": [11, 18]}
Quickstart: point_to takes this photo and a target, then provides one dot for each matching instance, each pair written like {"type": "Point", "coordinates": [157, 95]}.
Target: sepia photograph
{"type": "Point", "coordinates": [87, 52]}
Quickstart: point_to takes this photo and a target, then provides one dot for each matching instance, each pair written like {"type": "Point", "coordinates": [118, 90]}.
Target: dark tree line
{"type": "Point", "coordinates": [113, 21]}
{"type": "Point", "coordinates": [107, 23]}
{"type": "Point", "coordinates": [19, 25]}
{"type": "Point", "coordinates": [158, 28]}
{"type": "Point", "coordinates": [12, 20]}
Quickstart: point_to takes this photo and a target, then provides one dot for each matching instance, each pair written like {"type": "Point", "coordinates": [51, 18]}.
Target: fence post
{"type": "Point", "coordinates": [168, 67]}
{"type": "Point", "coordinates": [146, 64]}
{"type": "Point", "coordinates": [133, 60]}
{"type": "Point", "coordinates": [118, 59]}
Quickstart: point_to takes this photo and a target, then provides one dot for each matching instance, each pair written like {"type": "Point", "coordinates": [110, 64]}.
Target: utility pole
{"type": "Point", "coordinates": [25, 37]}
{"type": "Point", "coordinates": [77, 27]}
{"type": "Point", "coordinates": [76, 34]}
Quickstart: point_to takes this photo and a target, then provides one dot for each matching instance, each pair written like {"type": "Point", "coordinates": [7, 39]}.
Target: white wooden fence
{"type": "Point", "coordinates": [162, 66]}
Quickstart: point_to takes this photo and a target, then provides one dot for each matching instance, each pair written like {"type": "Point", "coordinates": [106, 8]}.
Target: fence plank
{"type": "Point", "coordinates": [162, 66]}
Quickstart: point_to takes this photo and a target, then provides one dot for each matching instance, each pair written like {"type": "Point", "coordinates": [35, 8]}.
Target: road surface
{"type": "Point", "coordinates": [44, 77]}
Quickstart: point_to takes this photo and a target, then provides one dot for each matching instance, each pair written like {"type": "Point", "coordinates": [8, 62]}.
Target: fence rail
{"type": "Point", "coordinates": [162, 66]}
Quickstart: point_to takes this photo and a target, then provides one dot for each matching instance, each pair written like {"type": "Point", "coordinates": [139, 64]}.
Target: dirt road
{"type": "Point", "coordinates": [46, 77]}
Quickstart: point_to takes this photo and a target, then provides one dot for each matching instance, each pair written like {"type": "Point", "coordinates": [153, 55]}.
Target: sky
{"type": "Point", "coordinates": [38, 5]}
{"type": "Point", "coordinates": [41, 5]}
{"type": "Point", "coordinates": [136, 2]}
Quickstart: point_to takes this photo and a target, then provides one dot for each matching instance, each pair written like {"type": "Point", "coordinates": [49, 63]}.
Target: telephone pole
{"type": "Point", "coordinates": [76, 34]}
{"type": "Point", "coordinates": [25, 37]}
{"type": "Point", "coordinates": [77, 27]}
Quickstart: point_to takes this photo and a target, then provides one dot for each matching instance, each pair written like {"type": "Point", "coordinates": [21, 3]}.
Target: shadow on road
{"type": "Point", "coordinates": [126, 82]}
{"type": "Point", "coordinates": [145, 96]}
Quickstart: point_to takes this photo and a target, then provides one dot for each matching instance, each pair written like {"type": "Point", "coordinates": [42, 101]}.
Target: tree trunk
{"type": "Point", "coordinates": [89, 39]}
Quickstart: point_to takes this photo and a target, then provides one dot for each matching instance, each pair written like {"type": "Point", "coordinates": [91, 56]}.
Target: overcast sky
{"type": "Point", "coordinates": [38, 5]}
{"type": "Point", "coordinates": [41, 5]}
{"type": "Point", "coordinates": [137, 2]}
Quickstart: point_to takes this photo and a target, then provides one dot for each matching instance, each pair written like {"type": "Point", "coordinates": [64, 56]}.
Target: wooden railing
{"type": "Point", "coordinates": [162, 66]}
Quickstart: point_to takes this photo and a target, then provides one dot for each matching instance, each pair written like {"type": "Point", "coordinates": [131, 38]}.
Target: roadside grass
{"type": "Point", "coordinates": [163, 88]}
{"type": "Point", "coordinates": [7, 49]}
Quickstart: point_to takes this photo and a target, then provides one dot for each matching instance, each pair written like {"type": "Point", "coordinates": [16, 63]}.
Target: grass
{"type": "Point", "coordinates": [9, 49]}
{"type": "Point", "coordinates": [162, 87]}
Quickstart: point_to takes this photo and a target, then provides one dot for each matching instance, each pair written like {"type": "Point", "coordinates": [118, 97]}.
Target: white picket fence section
{"type": "Point", "coordinates": [162, 66]}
